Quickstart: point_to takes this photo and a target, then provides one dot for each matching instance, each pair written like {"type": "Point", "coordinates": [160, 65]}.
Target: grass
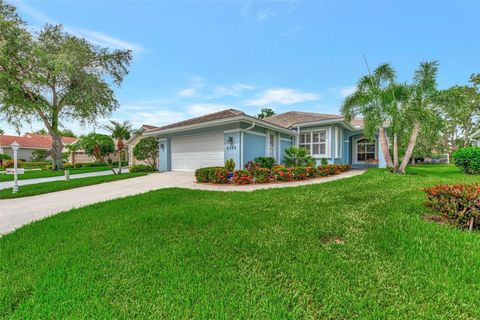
{"type": "Point", "coordinates": [35, 174]}
{"type": "Point", "coordinates": [46, 187]}
{"type": "Point", "coordinates": [356, 248]}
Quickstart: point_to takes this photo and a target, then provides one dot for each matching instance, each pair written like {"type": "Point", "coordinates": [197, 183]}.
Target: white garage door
{"type": "Point", "coordinates": [191, 153]}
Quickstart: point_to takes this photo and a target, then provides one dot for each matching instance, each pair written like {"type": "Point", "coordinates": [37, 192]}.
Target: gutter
{"type": "Point", "coordinates": [241, 142]}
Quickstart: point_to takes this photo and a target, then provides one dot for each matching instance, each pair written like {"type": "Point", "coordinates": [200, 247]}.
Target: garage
{"type": "Point", "coordinates": [191, 153]}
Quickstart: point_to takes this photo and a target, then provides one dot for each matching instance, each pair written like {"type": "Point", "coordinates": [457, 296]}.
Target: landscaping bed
{"type": "Point", "coordinates": [260, 175]}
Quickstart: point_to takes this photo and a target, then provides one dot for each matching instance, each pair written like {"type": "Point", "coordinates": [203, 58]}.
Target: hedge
{"type": "Point", "coordinates": [459, 204]}
{"type": "Point", "coordinates": [468, 160]}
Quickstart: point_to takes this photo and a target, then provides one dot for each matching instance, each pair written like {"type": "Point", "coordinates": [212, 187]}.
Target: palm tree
{"type": "Point", "coordinates": [372, 100]}
{"type": "Point", "coordinates": [420, 109]}
{"type": "Point", "coordinates": [120, 132]}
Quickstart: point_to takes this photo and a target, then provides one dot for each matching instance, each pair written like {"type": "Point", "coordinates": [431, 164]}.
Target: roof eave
{"type": "Point", "coordinates": [228, 120]}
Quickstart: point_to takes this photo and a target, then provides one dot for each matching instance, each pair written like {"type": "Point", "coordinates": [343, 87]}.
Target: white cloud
{"type": "Point", "coordinates": [201, 109]}
{"type": "Point", "coordinates": [264, 14]}
{"type": "Point", "coordinates": [283, 96]}
{"type": "Point", "coordinates": [345, 92]}
{"type": "Point", "coordinates": [232, 90]}
{"type": "Point", "coordinates": [95, 37]}
{"type": "Point", "coordinates": [160, 117]}
{"type": "Point", "coordinates": [188, 92]}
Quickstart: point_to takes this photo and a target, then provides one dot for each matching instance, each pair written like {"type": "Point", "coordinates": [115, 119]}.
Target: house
{"type": "Point", "coordinates": [28, 143]}
{"type": "Point", "coordinates": [476, 139]}
{"type": "Point", "coordinates": [132, 142]}
{"type": "Point", "coordinates": [212, 139]}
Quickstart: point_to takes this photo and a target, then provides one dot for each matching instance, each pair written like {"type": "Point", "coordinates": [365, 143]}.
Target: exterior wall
{"type": "Point", "coordinates": [232, 144]}
{"type": "Point", "coordinates": [254, 145]}
{"type": "Point", "coordinates": [284, 143]}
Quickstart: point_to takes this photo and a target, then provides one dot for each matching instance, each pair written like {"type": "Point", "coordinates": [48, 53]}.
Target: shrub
{"type": "Point", "coordinates": [230, 165]}
{"type": "Point", "coordinates": [141, 168]}
{"type": "Point", "coordinates": [90, 165]}
{"type": "Point", "coordinates": [147, 149]}
{"type": "Point", "coordinates": [311, 171]}
{"type": "Point", "coordinates": [9, 164]}
{"type": "Point", "coordinates": [36, 164]}
{"type": "Point", "coordinates": [220, 176]}
{"type": "Point", "coordinates": [468, 160]}
{"type": "Point", "coordinates": [206, 174]}
{"type": "Point", "coordinates": [40, 154]}
{"type": "Point", "coordinates": [459, 204]}
{"type": "Point", "coordinates": [251, 166]}
{"type": "Point", "coordinates": [265, 162]}
{"type": "Point", "coordinates": [115, 163]}
{"type": "Point", "coordinates": [4, 156]}
{"type": "Point", "coordinates": [299, 173]}
{"type": "Point", "coordinates": [242, 177]}
{"type": "Point", "coordinates": [280, 173]}
{"type": "Point", "coordinates": [332, 169]}
{"type": "Point", "coordinates": [323, 161]}
{"type": "Point", "coordinates": [262, 175]}
{"type": "Point", "coordinates": [295, 157]}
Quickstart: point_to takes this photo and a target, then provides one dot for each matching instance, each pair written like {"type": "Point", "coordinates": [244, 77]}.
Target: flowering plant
{"type": "Point", "coordinates": [280, 173]}
{"type": "Point", "coordinates": [262, 175]}
{"type": "Point", "coordinates": [242, 177]}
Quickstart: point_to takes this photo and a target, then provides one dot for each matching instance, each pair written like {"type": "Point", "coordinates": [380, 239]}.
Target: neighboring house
{"type": "Point", "coordinates": [212, 139]}
{"type": "Point", "coordinates": [132, 142]}
{"type": "Point", "coordinates": [476, 139]}
{"type": "Point", "coordinates": [28, 143]}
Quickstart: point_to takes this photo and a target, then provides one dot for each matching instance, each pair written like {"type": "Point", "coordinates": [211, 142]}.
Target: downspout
{"type": "Point", "coordinates": [297, 143]}
{"type": "Point", "coordinates": [241, 143]}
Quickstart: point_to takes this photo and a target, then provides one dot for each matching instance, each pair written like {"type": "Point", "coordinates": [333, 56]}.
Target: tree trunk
{"type": "Point", "coordinates": [56, 152]}
{"type": "Point", "coordinates": [384, 146]}
{"type": "Point", "coordinates": [411, 146]}
{"type": "Point", "coordinates": [119, 161]}
{"type": "Point", "coordinates": [395, 153]}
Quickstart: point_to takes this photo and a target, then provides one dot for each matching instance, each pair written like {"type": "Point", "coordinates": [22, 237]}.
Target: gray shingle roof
{"type": "Point", "coordinates": [291, 118]}
{"type": "Point", "coordinates": [209, 117]}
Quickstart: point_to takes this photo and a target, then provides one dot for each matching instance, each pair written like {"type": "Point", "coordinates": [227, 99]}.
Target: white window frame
{"type": "Point", "coordinates": [271, 149]}
{"type": "Point", "coordinates": [355, 155]}
{"type": "Point", "coordinates": [311, 143]}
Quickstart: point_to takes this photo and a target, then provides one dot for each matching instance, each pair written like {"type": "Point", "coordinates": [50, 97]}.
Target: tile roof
{"type": "Point", "coordinates": [291, 118]}
{"type": "Point", "coordinates": [33, 140]}
{"type": "Point", "coordinates": [209, 117]}
{"type": "Point", "coordinates": [149, 127]}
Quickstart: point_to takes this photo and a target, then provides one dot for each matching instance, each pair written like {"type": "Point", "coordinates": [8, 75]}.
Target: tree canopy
{"type": "Point", "coordinates": [97, 145]}
{"type": "Point", "coordinates": [147, 149]}
{"type": "Point", "coordinates": [53, 76]}
{"type": "Point", "coordinates": [265, 113]}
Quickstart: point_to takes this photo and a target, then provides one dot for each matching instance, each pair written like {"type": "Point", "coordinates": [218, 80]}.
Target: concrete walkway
{"type": "Point", "coordinates": [9, 184]}
{"type": "Point", "coordinates": [15, 213]}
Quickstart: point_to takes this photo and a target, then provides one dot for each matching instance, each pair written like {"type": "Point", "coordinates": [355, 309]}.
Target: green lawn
{"type": "Point", "coordinates": [35, 174]}
{"type": "Point", "coordinates": [46, 187]}
{"type": "Point", "coordinates": [350, 249]}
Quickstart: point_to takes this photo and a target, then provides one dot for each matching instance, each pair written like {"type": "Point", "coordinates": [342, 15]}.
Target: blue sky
{"type": "Point", "coordinates": [196, 57]}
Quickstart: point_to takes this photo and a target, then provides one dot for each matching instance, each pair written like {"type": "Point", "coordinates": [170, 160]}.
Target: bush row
{"type": "Point", "coordinates": [468, 160]}
{"type": "Point", "coordinates": [459, 204]}
{"type": "Point", "coordinates": [220, 175]}
{"type": "Point", "coordinates": [141, 168]}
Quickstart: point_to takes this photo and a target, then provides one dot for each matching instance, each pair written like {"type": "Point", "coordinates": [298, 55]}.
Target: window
{"type": "Point", "coordinates": [365, 150]}
{"type": "Point", "coordinates": [315, 142]}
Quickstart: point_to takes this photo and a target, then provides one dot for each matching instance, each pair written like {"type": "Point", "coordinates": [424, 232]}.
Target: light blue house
{"type": "Point", "coordinates": [212, 139]}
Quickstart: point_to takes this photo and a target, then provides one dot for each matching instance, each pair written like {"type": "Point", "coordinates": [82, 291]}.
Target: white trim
{"type": "Point", "coordinates": [232, 130]}
{"type": "Point", "coordinates": [256, 133]}
{"type": "Point", "coordinates": [327, 141]}
{"type": "Point", "coordinates": [330, 140]}
{"type": "Point", "coordinates": [285, 139]}
{"type": "Point", "coordinates": [267, 145]}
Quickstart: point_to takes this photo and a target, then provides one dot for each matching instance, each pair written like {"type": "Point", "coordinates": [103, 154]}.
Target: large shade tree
{"type": "Point", "coordinates": [120, 131]}
{"type": "Point", "coordinates": [52, 76]}
{"type": "Point", "coordinates": [372, 101]}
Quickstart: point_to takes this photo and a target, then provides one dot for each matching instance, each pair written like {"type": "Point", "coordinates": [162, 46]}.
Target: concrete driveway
{"type": "Point", "coordinates": [15, 213]}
